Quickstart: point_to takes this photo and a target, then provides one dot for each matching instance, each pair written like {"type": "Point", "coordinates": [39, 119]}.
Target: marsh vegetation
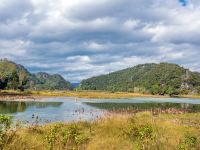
{"type": "Point", "coordinates": [114, 132]}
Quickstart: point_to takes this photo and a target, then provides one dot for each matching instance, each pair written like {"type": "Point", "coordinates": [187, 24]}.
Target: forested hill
{"type": "Point", "coordinates": [43, 80]}
{"type": "Point", "coordinates": [15, 76]}
{"type": "Point", "coordinates": [163, 78]}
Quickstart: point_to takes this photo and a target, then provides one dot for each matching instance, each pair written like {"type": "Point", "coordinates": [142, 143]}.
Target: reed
{"type": "Point", "coordinates": [81, 94]}
{"type": "Point", "coordinates": [113, 132]}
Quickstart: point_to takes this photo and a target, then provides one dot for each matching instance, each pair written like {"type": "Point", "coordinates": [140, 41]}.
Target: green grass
{"type": "Point", "coordinates": [114, 132]}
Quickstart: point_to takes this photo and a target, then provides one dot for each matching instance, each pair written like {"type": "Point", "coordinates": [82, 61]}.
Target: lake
{"type": "Point", "coordinates": [72, 109]}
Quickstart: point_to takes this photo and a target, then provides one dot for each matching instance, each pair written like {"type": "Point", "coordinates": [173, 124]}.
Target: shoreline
{"type": "Point", "coordinates": [33, 95]}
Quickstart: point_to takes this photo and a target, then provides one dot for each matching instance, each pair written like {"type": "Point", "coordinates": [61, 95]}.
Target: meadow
{"type": "Point", "coordinates": [115, 131]}
{"type": "Point", "coordinates": [17, 94]}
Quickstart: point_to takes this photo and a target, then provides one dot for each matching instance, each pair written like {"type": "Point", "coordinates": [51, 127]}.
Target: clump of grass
{"type": "Point", "coordinates": [6, 134]}
{"type": "Point", "coordinates": [51, 137]}
{"type": "Point", "coordinates": [72, 135]}
{"type": "Point", "coordinates": [142, 136]}
{"type": "Point", "coordinates": [190, 142]}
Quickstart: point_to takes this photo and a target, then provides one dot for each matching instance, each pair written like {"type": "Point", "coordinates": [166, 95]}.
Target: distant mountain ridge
{"type": "Point", "coordinates": [14, 76]}
{"type": "Point", "coordinates": [46, 81]}
{"type": "Point", "coordinates": [163, 78]}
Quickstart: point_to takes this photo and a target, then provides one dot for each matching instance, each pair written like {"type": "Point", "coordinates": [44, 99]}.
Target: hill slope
{"type": "Point", "coordinates": [163, 78]}
{"type": "Point", "coordinates": [15, 76]}
{"type": "Point", "coordinates": [46, 81]}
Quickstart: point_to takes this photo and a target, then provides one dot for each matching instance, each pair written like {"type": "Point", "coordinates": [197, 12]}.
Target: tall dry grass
{"type": "Point", "coordinates": [114, 132]}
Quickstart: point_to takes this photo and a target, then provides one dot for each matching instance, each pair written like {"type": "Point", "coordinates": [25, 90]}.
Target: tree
{"type": "Point", "coordinates": [3, 80]}
{"type": "Point", "coordinates": [23, 79]}
{"type": "Point", "coordinates": [198, 89]}
{"type": "Point", "coordinates": [13, 80]}
{"type": "Point", "coordinates": [155, 89]}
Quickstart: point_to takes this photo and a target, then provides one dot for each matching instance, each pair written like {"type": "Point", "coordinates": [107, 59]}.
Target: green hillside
{"type": "Point", "coordinates": [15, 76]}
{"type": "Point", "coordinates": [44, 81]}
{"type": "Point", "coordinates": [163, 78]}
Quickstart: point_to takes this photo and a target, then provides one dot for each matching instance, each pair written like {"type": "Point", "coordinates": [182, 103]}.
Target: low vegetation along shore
{"type": "Point", "coordinates": [139, 131]}
{"type": "Point", "coordinates": [17, 95]}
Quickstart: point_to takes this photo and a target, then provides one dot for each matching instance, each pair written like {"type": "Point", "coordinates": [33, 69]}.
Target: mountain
{"type": "Point", "coordinates": [45, 81]}
{"type": "Point", "coordinates": [16, 76]}
{"type": "Point", "coordinates": [75, 85]}
{"type": "Point", "coordinates": [163, 78]}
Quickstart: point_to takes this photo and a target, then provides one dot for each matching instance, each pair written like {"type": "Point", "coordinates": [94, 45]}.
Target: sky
{"type": "Point", "coordinates": [84, 38]}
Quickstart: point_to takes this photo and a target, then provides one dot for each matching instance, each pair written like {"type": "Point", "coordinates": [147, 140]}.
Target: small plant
{"type": "Point", "coordinates": [189, 142]}
{"type": "Point", "coordinates": [51, 137]}
{"type": "Point", "coordinates": [5, 124]}
{"type": "Point", "coordinates": [141, 135]}
{"type": "Point", "coordinates": [73, 136]}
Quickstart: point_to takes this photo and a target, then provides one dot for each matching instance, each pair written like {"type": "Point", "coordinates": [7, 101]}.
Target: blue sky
{"type": "Point", "coordinates": [183, 2]}
{"type": "Point", "coordinates": [84, 38]}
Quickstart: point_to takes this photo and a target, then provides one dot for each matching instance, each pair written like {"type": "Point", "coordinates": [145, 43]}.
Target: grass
{"type": "Point", "coordinates": [81, 94]}
{"type": "Point", "coordinates": [114, 132]}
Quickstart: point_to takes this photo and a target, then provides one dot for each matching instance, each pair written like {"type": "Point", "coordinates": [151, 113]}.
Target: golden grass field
{"type": "Point", "coordinates": [114, 132]}
{"type": "Point", "coordinates": [82, 94]}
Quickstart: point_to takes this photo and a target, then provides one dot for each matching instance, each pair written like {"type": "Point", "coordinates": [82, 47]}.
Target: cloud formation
{"type": "Point", "coordinates": [84, 38]}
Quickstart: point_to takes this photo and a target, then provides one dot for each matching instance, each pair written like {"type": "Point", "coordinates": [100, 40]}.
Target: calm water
{"type": "Point", "coordinates": [72, 109]}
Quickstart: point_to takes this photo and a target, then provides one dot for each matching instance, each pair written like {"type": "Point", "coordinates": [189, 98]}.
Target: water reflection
{"type": "Point", "coordinates": [70, 109]}
{"type": "Point", "coordinates": [10, 107]}
{"type": "Point", "coordinates": [146, 106]}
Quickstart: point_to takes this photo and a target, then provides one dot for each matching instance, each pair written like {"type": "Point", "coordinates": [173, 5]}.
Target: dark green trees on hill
{"type": "Point", "coordinates": [163, 78]}
{"type": "Point", "coordinates": [45, 81]}
{"type": "Point", "coordinates": [15, 76]}
{"type": "Point", "coordinates": [11, 76]}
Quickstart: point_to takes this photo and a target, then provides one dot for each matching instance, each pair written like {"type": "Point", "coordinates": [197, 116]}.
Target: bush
{"type": "Point", "coordinates": [70, 136]}
{"type": "Point", "coordinates": [189, 142]}
{"type": "Point", "coordinates": [5, 125]}
{"type": "Point", "coordinates": [51, 137]}
{"type": "Point", "coordinates": [198, 89]}
{"type": "Point", "coordinates": [74, 136]}
{"type": "Point", "coordinates": [141, 136]}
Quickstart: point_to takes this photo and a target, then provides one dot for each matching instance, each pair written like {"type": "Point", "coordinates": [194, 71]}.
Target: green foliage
{"type": "Point", "coordinates": [188, 143]}
{"type": "Point", "coordinates": [141, 136]}
{"type": "Point", "coordinates": [163, 78]}
{"type": "Point", "coordinates": [66, 135]}
{"type": "Point", "coordinates": [73, 135]}
{"type": "Point", "coordinates": [198, 89]}
{"type": "Point", "coordinates": [44, 81]}
{"type": "Point", "coordinates": [51, 137]}
{"type": "Point", "coordinates": [23, 79]}
{"type": "Point", "coordinates": [5, 124]}
{"type": "Point", "coordinates": [14, 76]}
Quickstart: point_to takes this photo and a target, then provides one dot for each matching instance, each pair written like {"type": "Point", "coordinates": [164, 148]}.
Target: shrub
{"type": "Point", "coordinates": [73, 135]}
{"type": "Point", "coordinates": [189, 142]}
{"type": "Point", "coordinates": [5, 125]}
{"type": "Point", "coordinates": [51, 137]}
{"type": "Point", "coordinates": [141, 135]}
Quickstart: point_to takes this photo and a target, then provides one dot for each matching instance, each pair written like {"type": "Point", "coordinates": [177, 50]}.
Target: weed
{"type": "Point", "coordinates": [51, 137]}
{"type": "Point", "coordinates": [141, 135]}
{"type": "Point", "coordinates": [189, 142]}
{"type": "Point", "coordinates": [5, 124]}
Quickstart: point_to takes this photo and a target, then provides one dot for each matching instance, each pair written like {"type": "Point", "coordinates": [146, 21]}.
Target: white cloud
{"type": "Point", "coordinates": [80, 59]}
{"type": "Point", "coordinates": [13, 48]}
{"type": "Point", "coordinates": [87, 37]}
